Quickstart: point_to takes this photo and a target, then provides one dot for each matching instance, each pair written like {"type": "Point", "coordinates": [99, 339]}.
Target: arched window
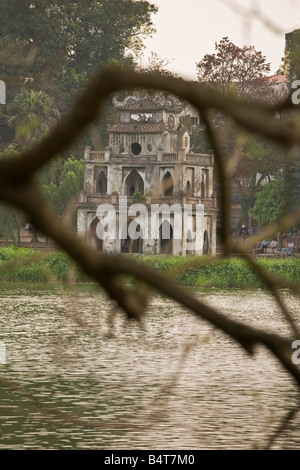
{"type": "Point", "coordinates": [188, 189]}
{"type": "Point", "coordinates": [202, 189]}
{"type": "Point", "coordinates": [166, 142]}
{"type": "Point", "coordinates": [94, 241]}
{"type": "Point", "coordinates": [205, 243]}
{"type": "Point", "coordinates": [167, 184]}
{"type": "Point", "coordinates": [204, 183]}
{"type": "Point", "coordinates": [134, 182]}
{"type": "Point", "coordinates": [166, 238]}
{"type": "Point", "coordinates": [101, 188]}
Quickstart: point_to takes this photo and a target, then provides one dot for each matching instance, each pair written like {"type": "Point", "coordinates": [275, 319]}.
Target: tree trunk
{"type": "Point", "coordinates": [34, 235]}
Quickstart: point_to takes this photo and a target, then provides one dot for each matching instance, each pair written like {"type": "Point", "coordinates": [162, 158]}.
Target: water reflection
{"type": "Point", "coordinates": [175, 384]}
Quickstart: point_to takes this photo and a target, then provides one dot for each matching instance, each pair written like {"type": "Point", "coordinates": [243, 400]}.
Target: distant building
{"type": "Point", "coordinates": [292, 45]}
{"type": "Point", "coordinates": [148, 160]}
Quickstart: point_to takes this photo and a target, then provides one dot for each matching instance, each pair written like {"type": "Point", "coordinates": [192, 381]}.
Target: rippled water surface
{"type": "Point", "coordinates": [79, 376]}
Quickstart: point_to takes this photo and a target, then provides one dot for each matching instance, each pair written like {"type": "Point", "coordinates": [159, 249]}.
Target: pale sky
{"type": "Point", "coordinates": [187, 30]}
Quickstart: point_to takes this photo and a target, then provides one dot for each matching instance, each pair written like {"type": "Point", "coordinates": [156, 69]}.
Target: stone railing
{"type": "Point", "coordinates": [134, 159]}
{"type": "Point", "coordinates": [93, 155]}
{"type": "Point", "coordinates": [165, 200]}
{"type": "Point", "coordinates": [199, 158]}
{"type": "Point", "coordinates": [209, 201]}
{"type": "Point", "coordinates": [170, 157]}
{"type": "Point", "coordinates": [98, 199]}
{"type": "Point", "coordinates": [97, 156]}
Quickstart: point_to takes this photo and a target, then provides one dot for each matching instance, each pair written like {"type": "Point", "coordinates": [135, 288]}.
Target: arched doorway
{"type": "Point", "coordinates": [134, 182]}
{"type": "Point", "coordinates": [167, 184]}
{"type": "Point", "coordinates": [189, 239]}
{"type": "Point", "coordinates": [202, 189]}
{"type": "Point", "coordinates": [101, 187]}
{"type": "Point", "coordinates": [128, 245]}
{"type": "Point", "coordinates": [166, 238]}
{"type": "Point", "coordinates": [166, 143]}
{"type": "Point", "coordinates": [94, 241]}
{"type": "Point", "coordinates": [205, 243]}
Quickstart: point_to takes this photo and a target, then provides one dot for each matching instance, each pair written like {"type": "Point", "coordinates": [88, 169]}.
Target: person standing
{"type": "Point", "coordinates": [244, 233]}
{"type": "Point", "coordinates": [290, 247]}
{"type": "Point", "coordinates": [284, 246]}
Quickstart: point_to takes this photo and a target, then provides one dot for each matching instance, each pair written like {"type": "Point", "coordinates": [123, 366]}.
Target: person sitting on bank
{"type": "Point", "coordinates": [290, 248]}
{"type": "Point", "coordinates": [274, 244]}
{"type": "Point", "coordinates": [264, 245]}
{"type": "Point", "coordinates": [28, 227]}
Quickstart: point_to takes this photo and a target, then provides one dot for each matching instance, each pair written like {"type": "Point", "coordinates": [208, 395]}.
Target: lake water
{"type": "Point", "coordinates": [79, 376]}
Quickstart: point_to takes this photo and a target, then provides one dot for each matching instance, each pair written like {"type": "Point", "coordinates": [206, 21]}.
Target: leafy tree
{"type": "Point", "coordinates": [292, 181]}
{"type": "Point", "coordinates": [241, 71]}
{"type": "Point", "coordinates": [155, 64]}
{"type": "Point", "coordinates": [11, 222]}
{"type": "Point", "coordinates": [31, 114]}
{"type": "Point", "coordinates": [270, 203]}
{"type": "Point", "coordinates": [233, 68]}
{"type": "Point", "coordinates": [11, 219]}
{"type": "Point", "coordinates": [34, 42]}
{"type": "Point", "coordinates": [199, 141]}
{"type": "Point", "coordinates": [260, 161]}
{"type": "Point", "coordinates": [295, 195]}
{"type": "Point", "coordinates": [62, 181]}
{"type": "Point", "coordinates": [43, 39]}
{"type": "Point", "coordinates": [107, 30]}
{"type": "Point", "coordinates": [292, 57]}
{"type": "Point", "coordinates": [53, 46]}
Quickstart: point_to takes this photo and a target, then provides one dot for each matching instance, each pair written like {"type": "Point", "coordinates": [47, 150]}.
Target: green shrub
{"type": "Point", "coordinates": [22, 264]}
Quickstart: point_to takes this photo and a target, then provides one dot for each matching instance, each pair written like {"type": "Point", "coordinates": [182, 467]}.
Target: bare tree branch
{"type": "Point", "coordinates": [19, 187]}
{"type": "Point", "coordinates": [255, 117]}
{"type": "Point", "coordinates": [288, 417]}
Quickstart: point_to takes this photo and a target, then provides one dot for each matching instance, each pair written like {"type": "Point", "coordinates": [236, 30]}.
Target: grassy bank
{"type": "Point", "coordinates": [21, 264]}
{"type": "Point", "coordinates": [225, 274]}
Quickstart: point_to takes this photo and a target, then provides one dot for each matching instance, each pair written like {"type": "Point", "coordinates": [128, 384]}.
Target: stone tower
{"type": "Point", "coordinates": [148, 162]}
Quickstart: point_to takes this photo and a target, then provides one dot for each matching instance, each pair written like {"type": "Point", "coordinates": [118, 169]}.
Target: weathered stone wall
{"type": "Point", "coordinates": [138, 160]}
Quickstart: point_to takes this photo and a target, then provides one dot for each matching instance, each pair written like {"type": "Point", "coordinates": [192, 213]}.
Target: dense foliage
{"type": "Point", "coordinates": [68, 40]}
{"type": "Point", "coordinates": [270, 202]}
{"type": "Point", "coordinates": [62, 182]}
{"type": "Point", "coordinates": [48, 50]}
{"type": "Point", "coordinates": [29, 265]}
{"type": "Point", "coordinates": [233, 68]}
{"type": "Point", "coordinates": [53, 47]}
{"type": "Point", "coordinates": [292, 57]}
